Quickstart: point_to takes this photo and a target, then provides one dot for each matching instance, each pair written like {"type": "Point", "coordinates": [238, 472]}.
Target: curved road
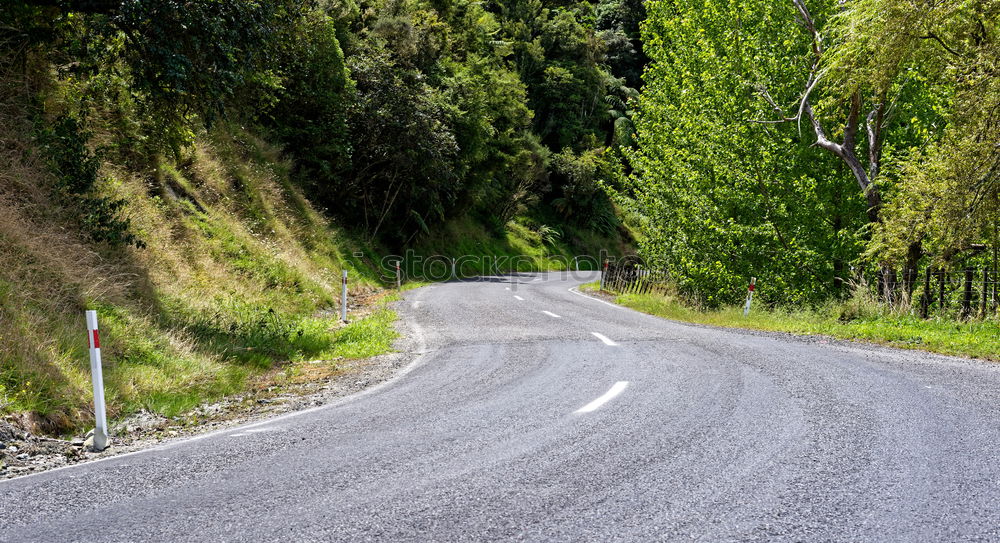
{"type": "Point", "coordinates": [519, 422]}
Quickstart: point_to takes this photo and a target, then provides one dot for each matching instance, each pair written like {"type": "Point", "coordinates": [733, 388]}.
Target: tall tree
{"type": "Point", "coordinates": [947, 198]}
{"type": "Point", "coordinates": [725, 195]}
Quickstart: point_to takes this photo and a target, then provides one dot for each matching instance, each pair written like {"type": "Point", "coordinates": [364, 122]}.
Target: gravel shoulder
{"type": "Point", "coordinates": [23, 453]}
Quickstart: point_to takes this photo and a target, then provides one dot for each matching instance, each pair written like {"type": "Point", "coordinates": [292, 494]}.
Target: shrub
{"type": "Point", "coordinates": [64, 145]}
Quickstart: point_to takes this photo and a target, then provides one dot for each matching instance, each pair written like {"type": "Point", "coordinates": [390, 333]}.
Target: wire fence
{"type": "Point", "coordinates": [628, 278]}
{"type": "Point", "coordinates": [971, 292]}
{"type": "Point", "coordinates": [963, 293]}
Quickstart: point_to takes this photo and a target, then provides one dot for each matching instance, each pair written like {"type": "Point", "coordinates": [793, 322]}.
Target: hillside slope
{"type": "Point", "coordinates": [236, 268]}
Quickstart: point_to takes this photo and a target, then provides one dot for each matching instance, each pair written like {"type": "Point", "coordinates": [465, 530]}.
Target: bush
{"type": "Point", "coordinates": [64, 145]}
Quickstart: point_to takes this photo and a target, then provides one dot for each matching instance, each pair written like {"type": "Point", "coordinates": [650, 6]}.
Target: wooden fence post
{"type": "Point", "coordinates": [985, 292]}
{"type": "Point", "coordinates": [941, 278]}
{"type": "Point", "coordinates": [967, 295]}
{"type": "Point", "coordinates": [925, 300]}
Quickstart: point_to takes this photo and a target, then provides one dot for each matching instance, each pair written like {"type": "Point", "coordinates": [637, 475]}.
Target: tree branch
{"type": "Point", "coordinates": [807, 20]}
{"type": "Point", "coordinates": [935, 37]}
{"type": "Point", "coordinates": [821, 140]}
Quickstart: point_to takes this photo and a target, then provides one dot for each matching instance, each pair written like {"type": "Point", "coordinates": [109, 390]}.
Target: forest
{"type": "Point", "coordinates": [808, 142]}
{"type": "Point", "coordinates": [819, 145]}
{"type": "Point", "coordinates": [203, 171]}
{"type": "Point", "coordinates": [398, 115]}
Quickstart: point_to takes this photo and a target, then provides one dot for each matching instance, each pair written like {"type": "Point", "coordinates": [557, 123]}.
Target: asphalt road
{"type": "Point", "coordinates": [519, 422]}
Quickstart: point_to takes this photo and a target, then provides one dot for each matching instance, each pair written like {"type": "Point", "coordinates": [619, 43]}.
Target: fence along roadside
{"type": "Point", "coordinates": [967, 293]}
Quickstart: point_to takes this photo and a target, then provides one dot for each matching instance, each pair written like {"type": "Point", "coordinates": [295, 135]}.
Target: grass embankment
{"type": "Point", "coordinates": [240, 276]}
{"type": "Point", "coordinates": [855, 319]}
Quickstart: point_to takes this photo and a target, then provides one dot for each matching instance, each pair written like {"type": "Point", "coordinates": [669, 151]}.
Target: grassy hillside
{"type": "Point", "coordinates": [237, 270]}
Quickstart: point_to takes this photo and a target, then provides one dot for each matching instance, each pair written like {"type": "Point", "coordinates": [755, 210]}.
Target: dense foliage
{"type": "Point", "coordinates": [795, 140]}
{"type": "Point", "coordinates": [398, 114]}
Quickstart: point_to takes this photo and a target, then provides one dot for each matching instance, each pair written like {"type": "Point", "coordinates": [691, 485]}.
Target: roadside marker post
{"type": "Point", "coordinates": [343, 297]}
{"type": "Point", "coordinates": [398, 279]}
{"type": "Point", "coordinates": [603, 273]}
{"type": "Point", "coordinates": [750, 289]}
{"type": "Point", "coordinates": [97, 375]}
{"type": "Point", "coordinates": [453, 276]}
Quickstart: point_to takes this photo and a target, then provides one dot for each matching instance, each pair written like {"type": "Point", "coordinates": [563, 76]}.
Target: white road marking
{"type": "Point", "coordinates": [578, 293]}
{"type": "Point", "coordinates": [551, 314]}
{"type": "Point", "coordinates": [506, 288]}
{"type": "Point", "coordinates": [416, 304]}
{"type": "Point", "coordinates": [615, 390]}
{"type": "Point", "coordinates": [604, 338]}
{"type": "Point", "coordinates": [518, 297]}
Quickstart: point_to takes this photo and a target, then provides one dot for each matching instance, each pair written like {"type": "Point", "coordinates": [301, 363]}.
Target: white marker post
{"type": "Point", "coordinates": [576, 262]}
{"type": "Point", "coordinates": [453, 276]}
{"type": "Point", "coordinates": [398, 277]}
{"type": "Point", "coordinates": [750, 289]}
{"type": "Point", "coordinates": [97, 375]}
{"type": "Point", "coordinates": [343, 297]}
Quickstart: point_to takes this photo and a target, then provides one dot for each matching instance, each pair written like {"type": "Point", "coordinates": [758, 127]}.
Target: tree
{"type": "Point", "coordinates": [947, 196]}
{"type": "Point", "coordinates": [310, 115]}
{"type": "Point", "coordinates": [726, 197]}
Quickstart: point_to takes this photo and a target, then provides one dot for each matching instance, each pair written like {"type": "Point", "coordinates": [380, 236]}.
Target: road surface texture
{"type": "Point", "coordinates": [537, 413]}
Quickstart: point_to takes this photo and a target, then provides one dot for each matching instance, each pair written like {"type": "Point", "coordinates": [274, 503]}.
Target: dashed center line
{"type": "Point", "coordinates": [605, 339]}
{"type": "Point", "coordinates": [518, 297]}
{"type": "Point", "coordinates": [615, 390]}
{"type": "Point", "coordinates": [551, 314]}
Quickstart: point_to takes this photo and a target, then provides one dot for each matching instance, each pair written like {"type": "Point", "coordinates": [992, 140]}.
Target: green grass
{"type": "Point", "coordinates": [149, 374]}
{"type": "Point", "coordinates": [843, 320]}
{"type": "Point", "coordinates": [370, 336]}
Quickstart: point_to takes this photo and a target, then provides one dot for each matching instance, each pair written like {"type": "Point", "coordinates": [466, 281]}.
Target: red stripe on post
{"type": "Point", "coordinates": [751, 287]}
{"type": "Point", "coordinates": [97, 340]}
